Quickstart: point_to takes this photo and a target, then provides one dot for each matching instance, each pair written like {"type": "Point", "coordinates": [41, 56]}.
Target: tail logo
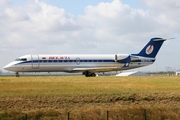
{"type": "Point", "coordinates": [149, 49]}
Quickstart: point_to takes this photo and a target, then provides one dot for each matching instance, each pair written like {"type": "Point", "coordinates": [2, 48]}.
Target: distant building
{"type": "Point", "coordinates": [133, 73]}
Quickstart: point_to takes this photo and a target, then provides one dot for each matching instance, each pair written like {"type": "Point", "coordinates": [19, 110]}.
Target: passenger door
{"type": "Point", "coordinates": [35, 61]}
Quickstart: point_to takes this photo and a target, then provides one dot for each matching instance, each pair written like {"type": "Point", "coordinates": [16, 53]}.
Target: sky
{"type": "Point", "coordinates": [89, 27]}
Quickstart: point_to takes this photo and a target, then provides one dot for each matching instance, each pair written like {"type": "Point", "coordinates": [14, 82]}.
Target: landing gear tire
{"type": "Point", "coordinates": [17, 74]}
{"type": "Point", "coordinates": [89, 74]}
{"type": "Point", "coordinates": [93, 75]}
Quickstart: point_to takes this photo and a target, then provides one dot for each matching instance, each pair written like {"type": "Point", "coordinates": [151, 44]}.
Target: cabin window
{"type": "Point", "coordinates": [108, 60]}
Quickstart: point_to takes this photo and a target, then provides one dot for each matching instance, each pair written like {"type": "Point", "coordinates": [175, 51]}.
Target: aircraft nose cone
{"type": "Point", "coordinates": [9, 67]}
{"type": "Point", "coordinates": [6, 67]}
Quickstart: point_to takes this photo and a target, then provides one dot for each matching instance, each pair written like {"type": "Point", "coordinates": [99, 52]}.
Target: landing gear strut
{"type": "Point", "coordinates": [17, 74]}
{"type": "Point", "coordinates": [89, 74]}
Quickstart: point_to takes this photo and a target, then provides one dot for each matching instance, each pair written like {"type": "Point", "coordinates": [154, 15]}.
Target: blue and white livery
{"type": "Point", "coordinates": [88, 64]}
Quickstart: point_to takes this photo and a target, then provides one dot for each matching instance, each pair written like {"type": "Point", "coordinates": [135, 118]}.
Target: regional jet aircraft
{"type": "Point", "coordinates": [90, 64]}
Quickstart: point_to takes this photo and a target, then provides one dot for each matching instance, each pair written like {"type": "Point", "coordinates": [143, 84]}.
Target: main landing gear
{"type": "Point", "coordinates": [17, 74]}
{"type": "Point", "coordinates": [89, 74]}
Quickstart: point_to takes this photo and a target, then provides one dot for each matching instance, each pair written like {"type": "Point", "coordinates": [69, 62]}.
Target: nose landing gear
{"type": "Point", "coordinates": [17, 74]}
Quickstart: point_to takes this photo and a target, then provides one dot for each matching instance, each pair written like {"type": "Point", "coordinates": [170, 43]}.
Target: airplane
{"type": "Point", "coordinates": [88, 64]}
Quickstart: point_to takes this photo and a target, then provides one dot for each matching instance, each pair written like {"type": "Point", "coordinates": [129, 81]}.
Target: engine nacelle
{"type": "Point", "coordinates": [122, 58]}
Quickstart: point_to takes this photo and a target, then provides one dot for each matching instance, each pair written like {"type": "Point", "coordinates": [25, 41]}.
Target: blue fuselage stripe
{"type": "Point", "coordinates": [65, 61]}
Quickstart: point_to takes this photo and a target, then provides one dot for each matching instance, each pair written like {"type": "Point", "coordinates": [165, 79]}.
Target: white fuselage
{"type": "Point", "coordinates": [76, 63]}
{"type": "Point", "coordinates": [88, 64]}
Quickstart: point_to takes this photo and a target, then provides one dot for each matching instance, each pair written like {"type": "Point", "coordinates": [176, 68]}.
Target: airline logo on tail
{"type": "Point", "coordinates": [149, 49]}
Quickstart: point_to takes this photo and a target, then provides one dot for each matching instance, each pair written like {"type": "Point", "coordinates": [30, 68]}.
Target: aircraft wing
{"type": "Point", "coordinates": [97, 69]}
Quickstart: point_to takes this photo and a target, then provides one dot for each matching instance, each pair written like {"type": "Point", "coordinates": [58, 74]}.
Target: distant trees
{"type": "Point", "coordinates": [0, 72]}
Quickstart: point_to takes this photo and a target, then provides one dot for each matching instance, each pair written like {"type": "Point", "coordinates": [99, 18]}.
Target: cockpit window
{"type": "Point", "coordinates": [21, 59]}
{"type": "Point", "coordinates": [18, 59]}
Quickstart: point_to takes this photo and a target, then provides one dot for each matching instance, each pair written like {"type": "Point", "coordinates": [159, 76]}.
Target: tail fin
{"type": "Point", "coordinates": [152, 48]}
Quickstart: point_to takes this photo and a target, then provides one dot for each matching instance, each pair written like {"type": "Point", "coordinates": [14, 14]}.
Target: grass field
{"type": "Point", "coordinates": [52, 97]}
